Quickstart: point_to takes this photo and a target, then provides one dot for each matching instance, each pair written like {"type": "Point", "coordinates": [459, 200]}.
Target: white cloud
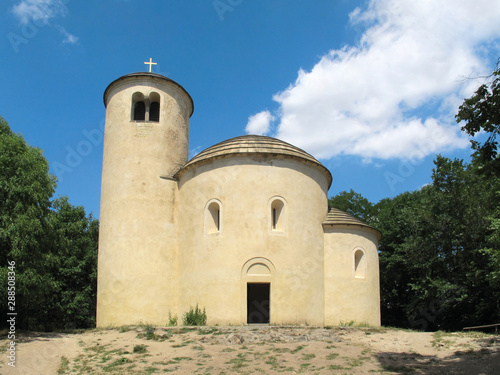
{"type": "Point", "coordinates": [195, 151]}
{"type": "Point", "coordinates": [395, 94]}
{"type": "Point", "coordinates": [68, 38]}
{"type": "Point", "coordinates": [259, 123]}
{"type": "Point", "coordinates": [39, 10]}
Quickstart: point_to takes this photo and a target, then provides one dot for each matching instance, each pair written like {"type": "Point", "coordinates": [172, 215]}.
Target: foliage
{"type": "Point", "coordinates": [440, 250]}
{"type": "Point", "coordinates": [195, 317]}
{"type": "Point", "coordinates": [172, 319]}
{"type": "Point", "coordinates": [25, 190]}
{"type": "Point", "coordinates": [434, 271]}
{"type": "Point", "coordinates": [354, 204]}
{"type": "Point", "coordinates": [74, 263]}
{"type": "Point", "coordinates": [492, 248]}
{"type": "Point", "coordinates": [53, 244]}
{"type": "Point", "coordinates": [481, 112]}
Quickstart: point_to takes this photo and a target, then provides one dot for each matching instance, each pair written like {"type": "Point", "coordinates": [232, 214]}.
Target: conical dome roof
{"type": "Point", "coordinates": [254, 144]}
{"type": "Point", "coordinates": [339, 217]}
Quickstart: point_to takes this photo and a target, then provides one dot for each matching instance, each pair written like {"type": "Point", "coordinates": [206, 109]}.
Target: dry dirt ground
{"type": "Point", "coordinates": [254, 350]}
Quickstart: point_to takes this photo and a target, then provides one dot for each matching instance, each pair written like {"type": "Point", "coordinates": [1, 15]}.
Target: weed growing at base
{"type": "Point", "coordinates": [196, 317]}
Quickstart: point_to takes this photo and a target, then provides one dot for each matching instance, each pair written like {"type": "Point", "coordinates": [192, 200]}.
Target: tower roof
{"type": "Point", "coordinates": [339, 217]}
{"type": "Point", "coordinates": [256, 145]}
{"type": "Point", "coordinates": [141, 76]}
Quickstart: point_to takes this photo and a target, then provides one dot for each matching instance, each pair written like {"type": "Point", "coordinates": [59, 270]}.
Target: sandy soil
{"type": "Point", "coordinates": [254, 350]}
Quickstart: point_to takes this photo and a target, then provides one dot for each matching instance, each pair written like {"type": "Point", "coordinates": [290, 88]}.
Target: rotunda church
{"type": "Point", "coordinates": [242, 229]}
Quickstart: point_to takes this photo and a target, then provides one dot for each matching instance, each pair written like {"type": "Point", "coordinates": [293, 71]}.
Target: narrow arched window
{"type": "Point", "coordinates": [359, 264]}
{"type": "Point", "coordinates": [139, 111]}
{"type": "Point", "coordinates": [213, 213]}
{"type": "Point", "coordinates": [154, 107]}
{"type": "Point", "coordinates": [277, 215]}
{"type": "Point", "coordinates": [154, 112]}
{"type": "Point", "coordinates": [138, 107]}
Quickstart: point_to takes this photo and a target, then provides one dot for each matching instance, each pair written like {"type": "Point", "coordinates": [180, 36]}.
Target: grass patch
{"type": "Point", "coordinates": [297, 349]}
{"type": "Point", "coordinates": [178, 359]}
{"type": "Point", "coordinates": [346, 324]}
{"type": "Point", "coordinates": [273, 361]}
{"type": "Point", "coordinates": [83, 367]}
{"type": "Point", "coordinates": [332, 356]}
{"type": "Point", "coordinates": [208, 331]}
{"type": "Point", "coordinates": [336, 367]}
{"type": "Point", "coordinates": [150, 334]}
{"type": "Point", "coordinates": [439, 340]}
{"type": "Point", "coordinates": [119, 362]}
{"type": "Point", "coordinates": [96, 348]}
{"type": "Point", "coordinates": [281, 350]}
{"type": "Point", "coordinates": [163, 363]}
{"type": "Point", "coordinates": [124, 329]}
{"type": "Point", "coordinates": [140, 349]}
{"type": "Point", "coordinates": [64, 366]}
{"type": "Point", "coordinates": [355, 362]}
{"type": "Point", "coordinates": [475, 334]}
{"type": "Point", "coordinates": [239, 361]}
{"type": "Point", "coordinates": [306, 357]}
{"type": "Point", "coordinates": [182, 344]}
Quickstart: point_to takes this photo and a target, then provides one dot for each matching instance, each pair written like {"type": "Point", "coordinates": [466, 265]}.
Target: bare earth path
{"type": "Point", "coordinates": [254, 350]}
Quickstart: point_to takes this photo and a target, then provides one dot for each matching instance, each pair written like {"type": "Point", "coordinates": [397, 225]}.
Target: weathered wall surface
{"type": "Point", "coordinates": [173, 235]}
{"type": "Point", "coordinates": [350, 295]}
{"type": "Point", "coordinates": [138, 239]}
{"type": "Point", "coordinates": [213, 273]}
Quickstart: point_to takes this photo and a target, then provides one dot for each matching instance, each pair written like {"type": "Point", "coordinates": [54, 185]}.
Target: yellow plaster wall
{"type": "Point", "coordinates": [348, 298]}
{"type": "Point", "coordinates": [138, 239]}
{"type": "Point", "coordinates": [156, 256]}
{"type": "Point", "coordinates": [212, 264]}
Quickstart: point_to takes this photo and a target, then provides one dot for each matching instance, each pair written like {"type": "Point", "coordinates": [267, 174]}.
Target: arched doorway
{"type": "Point", "coordinates": [258, 303]}
{"type": "Point", "coordinates": [257, 277]}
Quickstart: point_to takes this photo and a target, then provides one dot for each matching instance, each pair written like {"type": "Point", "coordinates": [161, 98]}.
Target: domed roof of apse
{"type": "Point", "coordinates": [337, 217]}
{"type": "Point", "coordinates": [255, 145]}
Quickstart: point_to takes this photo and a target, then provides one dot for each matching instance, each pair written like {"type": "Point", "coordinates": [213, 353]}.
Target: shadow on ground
{"type": "Point", "coordinates": [29, 336]}
{"type": "Point", "coordinates": [484, 361]}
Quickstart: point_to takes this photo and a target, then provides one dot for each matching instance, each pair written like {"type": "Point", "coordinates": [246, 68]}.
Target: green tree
{"type": "Point", "coordinates": [53, 244]}
{"type": "Point", "coordinates": [434, 274]}
{"type": "Point", "coordinates": [26, 187]}
{"type": "Point", "coordinates": [398, 223]}
{"type": "Point", "coordinates": [492, 252]}
{"type": "Point", "coordinates": [481, 112]}
{"type": "Point", "coordinates": [74, 264]}
{"type": "Point", "coordinates": [354, 204]}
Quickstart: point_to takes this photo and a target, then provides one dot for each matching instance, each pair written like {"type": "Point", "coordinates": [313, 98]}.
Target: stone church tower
{"type": "Point", "coordinates": [145, 144]}
{"type": "Point", "coordinates": [242, 229]}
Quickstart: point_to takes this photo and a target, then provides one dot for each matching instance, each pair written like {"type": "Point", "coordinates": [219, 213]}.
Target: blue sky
{"type": "Point", "coordinates": [368, 87]}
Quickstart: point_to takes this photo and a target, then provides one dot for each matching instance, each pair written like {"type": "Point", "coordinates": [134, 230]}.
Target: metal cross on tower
{"type": "Point", "coordinates": [150, 63]}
